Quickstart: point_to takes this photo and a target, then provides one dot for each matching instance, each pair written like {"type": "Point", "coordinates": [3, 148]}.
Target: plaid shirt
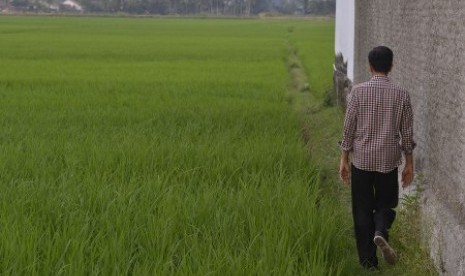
{"type": "Point", "coordinates": [378, 125]}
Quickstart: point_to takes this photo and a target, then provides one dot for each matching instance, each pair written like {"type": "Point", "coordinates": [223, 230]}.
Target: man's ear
{"type": "Point", "coordinates": [372, 70]}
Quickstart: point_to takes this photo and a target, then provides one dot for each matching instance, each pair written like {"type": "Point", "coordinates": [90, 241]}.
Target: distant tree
{"type": "Point", "coordinates": [261, 6]}
{"type": "Point", "coordinates": [320, 7]}
{"type": "Point", "coordinates": [214, 7]}
{"type": "Point", "coordinates": [305, 6]}
{"type": "Point", "coordinates": [25, 4]}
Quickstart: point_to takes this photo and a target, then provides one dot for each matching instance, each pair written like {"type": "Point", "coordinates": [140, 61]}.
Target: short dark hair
{"type": "Point", "coordinates": [380, 59]}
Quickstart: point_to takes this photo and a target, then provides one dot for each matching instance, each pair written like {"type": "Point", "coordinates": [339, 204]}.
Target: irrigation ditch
{"type": "Point", "coordinates": [298, 85]}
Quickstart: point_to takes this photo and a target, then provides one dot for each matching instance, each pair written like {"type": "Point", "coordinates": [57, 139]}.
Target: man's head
{"type": "Point", "coordinates": [380, 59]}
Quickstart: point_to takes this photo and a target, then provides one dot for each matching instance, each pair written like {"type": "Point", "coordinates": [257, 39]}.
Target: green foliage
{"type": "Point", "coordinates": [330, 98]}
{"type": "Point", "coordinates": [409, 231]}
{"type": "Point", "coordinates": [152, 147]}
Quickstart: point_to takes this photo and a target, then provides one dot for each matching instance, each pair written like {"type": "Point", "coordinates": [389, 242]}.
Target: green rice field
{"type": "Point", "coordinates": [148, 146]}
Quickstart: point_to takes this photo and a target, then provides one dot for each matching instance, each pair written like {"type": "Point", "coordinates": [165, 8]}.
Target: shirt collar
{"type": "Point", "coordinates": [380, 78]}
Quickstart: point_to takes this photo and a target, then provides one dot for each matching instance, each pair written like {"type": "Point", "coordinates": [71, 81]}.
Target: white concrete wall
{"type": "Point", "coordinates": [345, 29]}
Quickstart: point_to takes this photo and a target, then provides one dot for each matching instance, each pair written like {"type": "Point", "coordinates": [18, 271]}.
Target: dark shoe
{"type": "Point", "coordinates": [388, 253]}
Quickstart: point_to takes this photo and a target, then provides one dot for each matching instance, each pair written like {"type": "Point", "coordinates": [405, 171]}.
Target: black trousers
{"type": "Point", "coordinates": [374, 195]}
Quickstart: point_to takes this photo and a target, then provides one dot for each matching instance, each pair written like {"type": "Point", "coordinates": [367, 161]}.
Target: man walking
{"type": "Point", "coordinates": [378, 127]}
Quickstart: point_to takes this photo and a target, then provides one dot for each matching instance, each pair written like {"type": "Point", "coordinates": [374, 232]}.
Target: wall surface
{"type": "Point", "coordinates": [344, 42]}
{"type": "Point", "coordinates": [428, 40]}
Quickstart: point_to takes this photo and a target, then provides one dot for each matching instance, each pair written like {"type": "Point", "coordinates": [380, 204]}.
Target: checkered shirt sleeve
{"type": "Point", "coordinates": [350, 123]}
{"type": "Point", "coordinates": [406, 128]}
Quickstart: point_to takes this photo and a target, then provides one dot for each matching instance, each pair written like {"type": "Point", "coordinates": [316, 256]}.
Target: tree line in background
{"type": "Point", "coordinates": [181, 7]}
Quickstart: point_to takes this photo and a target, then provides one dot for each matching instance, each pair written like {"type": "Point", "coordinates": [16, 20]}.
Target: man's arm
{"type": "Point", "coordinates": [344, 168]}
{"type": "Point", "coordinates": [350, 125]}
{"type": "Point", "coordinates": [407, 173]}
{"type": "Point", "coordinates": [408, 144]}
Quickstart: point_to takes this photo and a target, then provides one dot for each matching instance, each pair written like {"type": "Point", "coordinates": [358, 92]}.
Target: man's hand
{"type": "Point", "coordinates": [344, 168]}
{"type": "Point", "coordinates": [407, 173]}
